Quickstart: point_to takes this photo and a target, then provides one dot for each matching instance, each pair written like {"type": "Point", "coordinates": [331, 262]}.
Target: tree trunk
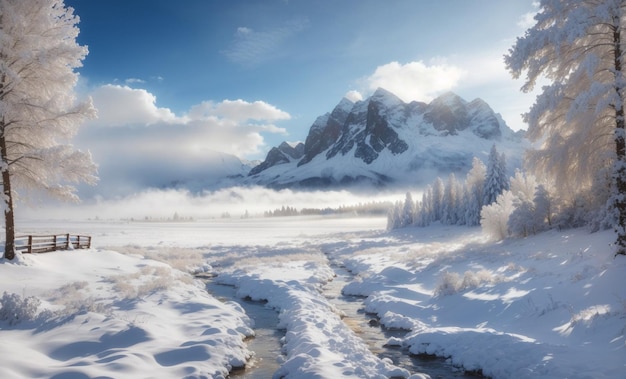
{"type": "Point", "coordinates": [619, 171]}
{"type": "Point", "coordinates": [9, 222]}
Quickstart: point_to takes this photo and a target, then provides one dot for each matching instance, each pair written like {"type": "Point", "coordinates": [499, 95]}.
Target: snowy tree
{"type": "Point", "coordinates": [450, 201]}
{"type": "Point", "coordinates": [475, 189]}
{"type": "Point", "coordinates": [408, 211]}
{"type": "Point", "coordinates": [39, 112]}
{"type": "Point", "coordinates": [394, 216]}
{"type": "Point", "coordinates": [578, 120]}
{"type": "Point", "coordinates": [494, 218]}
{"type": "Point", "coordinates": [437, 200]}
{"type": "Point", "coordinates": [496, 180]}
{"type": "Point", "coordinates": [425, 215]}
{"type": "Point", "coordinates": [522, 220]}
{"type": "Point", "coordinates": [543, 205]}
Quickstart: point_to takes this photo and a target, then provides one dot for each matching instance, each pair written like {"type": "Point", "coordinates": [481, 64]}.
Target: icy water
{"type": "Point", "coordinates": [265, 345]}
{"type": "Point", "coordinates": [366, 326]}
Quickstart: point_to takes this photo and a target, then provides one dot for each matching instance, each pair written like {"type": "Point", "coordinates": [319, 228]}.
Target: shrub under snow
{"type": "Point", "coordinates": [494, 218]}
{"type": "Point", "coordinates": [15, 308]}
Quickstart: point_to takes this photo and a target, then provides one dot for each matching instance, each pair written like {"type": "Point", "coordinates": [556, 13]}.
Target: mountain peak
{"type": "Point", "coordinates": [388, 99]}
{"type": "Point", "coordinates": [383, 139]}
{"type": "Point", "coordinates": [449, 99]}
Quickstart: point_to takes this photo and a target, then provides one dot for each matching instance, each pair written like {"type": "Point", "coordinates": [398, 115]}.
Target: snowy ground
{"type": "Point", "coordinates": [550, 306]}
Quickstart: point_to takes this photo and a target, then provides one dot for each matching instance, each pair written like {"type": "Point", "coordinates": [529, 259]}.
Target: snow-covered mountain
{"type": "Point", "coordinates": [383, 141]}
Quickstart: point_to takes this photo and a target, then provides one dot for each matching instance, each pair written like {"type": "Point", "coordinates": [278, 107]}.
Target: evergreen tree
{"type": "Point", "coordinates": [578, 119]}
{"type": "Point", "coordinates": [543, 205]}
{"type": "Point", "coordinates": [450, 201]}
{"type": "Point", "coordinates": [496, 180]}
{"type": "Point", "coordinates": [408, 211]}
{"type": "Point", "coordinates": [475, 192]}
{"type": "Point", "coordinates": [437, 200]}
{"type": "Point", "coordinates": [427, 206]}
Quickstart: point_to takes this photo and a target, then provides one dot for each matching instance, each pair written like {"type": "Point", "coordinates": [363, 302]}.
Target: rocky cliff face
{"type": "Point", "coordinates": [382, 140]}
{"type": "Point", "coordinates": [284, 153]}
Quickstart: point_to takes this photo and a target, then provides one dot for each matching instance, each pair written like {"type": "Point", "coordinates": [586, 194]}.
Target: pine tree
{"type": "Point", "coordinates": [496, 180]}
{"type": "Point", "coordinates": [39, 112]}
{"type": "Point", "coordinates": [437, 200]}
{"type": "Point", "coordinates": [427, 206]}
{"type": "Point", "coordinates": [475, 192]}
{"type": "Point", "coordinates": [450, 201]}
{"type": "Point", "coordinates": [408, 211]}
{"type": "Point", "coordinates": [579, 118]}
{"type": "Point", "coordinates": [543, 205]}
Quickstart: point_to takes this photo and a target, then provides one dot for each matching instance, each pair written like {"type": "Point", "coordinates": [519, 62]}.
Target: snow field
{"type": "Point", "coordinates": [548, 306]}
{"type": "Point", "coordinates": [543, 307]}
{"type": "Point", "coordinates": [117, 316]}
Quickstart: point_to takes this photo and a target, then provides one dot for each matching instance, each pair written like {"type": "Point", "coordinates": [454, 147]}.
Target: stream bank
{"type": "Point", "coordinates": [376, 335]}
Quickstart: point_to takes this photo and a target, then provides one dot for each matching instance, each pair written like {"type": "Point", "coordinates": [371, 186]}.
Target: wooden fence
{"type": "Point", "coordinates": [44, 244]}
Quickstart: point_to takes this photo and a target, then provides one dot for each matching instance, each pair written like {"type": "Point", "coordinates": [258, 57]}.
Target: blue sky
{"type": "Point", "coordinates": [241, 76]}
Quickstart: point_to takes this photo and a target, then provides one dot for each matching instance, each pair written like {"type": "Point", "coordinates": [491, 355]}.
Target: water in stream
{"type": "Point", "coordinates": [267, 347]}
{"type": "Point", "coordinates": [368, 329]}
{"type": "Point", "coordinates": [266, 344]}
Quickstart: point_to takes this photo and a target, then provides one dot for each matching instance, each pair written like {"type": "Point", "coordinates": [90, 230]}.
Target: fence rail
{"type": "Point", "coordinates": [44, 244]}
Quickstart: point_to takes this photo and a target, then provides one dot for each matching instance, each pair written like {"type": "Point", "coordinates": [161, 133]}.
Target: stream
{"type": "Point", "coordinates": [266, 344]}
{"type": "Point", "coordinates": [366, 326]}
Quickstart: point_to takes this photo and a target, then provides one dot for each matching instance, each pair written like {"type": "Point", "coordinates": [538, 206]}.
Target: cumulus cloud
{"type": "Point", "coordinates": [250, 47]}
{"type": "Point", "coordinates": [354, 96]}
{"type": "Point", "coordinates": [238, 110]}
{"type": "Point", "coordinates": [415, 80]}
{"type": "Point", "coordinates": [121, 106]}
{"type": "Point", "coordinates": [138, 144]}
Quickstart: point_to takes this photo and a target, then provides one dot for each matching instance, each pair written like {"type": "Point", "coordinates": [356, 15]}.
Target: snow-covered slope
{"type": "Point", "coordinates": [384, 141]}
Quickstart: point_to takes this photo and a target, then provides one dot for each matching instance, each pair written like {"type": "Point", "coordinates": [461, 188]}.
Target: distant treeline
{"type": "Point", "coordinates": [362, 209]}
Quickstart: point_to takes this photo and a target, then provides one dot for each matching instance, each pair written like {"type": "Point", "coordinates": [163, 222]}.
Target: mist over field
{"type": "Point", "coordinates": [235, 201]}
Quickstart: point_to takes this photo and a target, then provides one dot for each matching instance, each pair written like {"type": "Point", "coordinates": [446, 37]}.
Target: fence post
{"type": "Point", "coordinates": [88, 242]}
{"type": "Point", "coordinates": [30, 244]}
{"type": "Point", "coordinates": [55, 242]}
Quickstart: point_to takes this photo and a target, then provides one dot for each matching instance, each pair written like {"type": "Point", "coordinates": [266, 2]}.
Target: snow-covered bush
{"type": "Point", "coordinates": [494, 218]}
{"type": "Point", "coordinates": [15, 308]}
{"type": "Point", "coordinates": [146, 281]}
{"type": "Point", "coordinates": [451, 282]}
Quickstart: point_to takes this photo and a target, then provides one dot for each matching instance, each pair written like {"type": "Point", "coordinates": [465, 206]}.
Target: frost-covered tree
{"type": "Point", "coordinates": [425, 215]}
{"type": "Point", "coordinates": [494, 218]}
{"type": "Point", "coordinates": [523, 220]}
{"type": "Point", "coordinates": [578, 120]}
{"type": "Point", "coordinates": [437, 200]}
{"type": "Point", "coordinates": [408, 211]}
{"type": "Point", "coordinates": [496, 180]}
{"type": "Point", "coordinates": [474, 194]}
{"type": "Point", "coordinates": [451, 201]}
{"type": "Point", "coordinates": [38, 110]}
{"type": "Point", "coordinates": [543, 205]}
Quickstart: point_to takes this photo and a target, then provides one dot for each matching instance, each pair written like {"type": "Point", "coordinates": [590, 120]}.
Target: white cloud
{"type": "Point", "coordinates": [121, 105]}
{"type": "Point", "coordinates": [238, 110]}
{"type": "Point", "coordinates": [134, 81]}
{"type": "Point", "coordinates": [415, 80]}
{"type": "Point", "coordinates": [139, 144]}
{"type": "Point", "coordinates": [353, 96]}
